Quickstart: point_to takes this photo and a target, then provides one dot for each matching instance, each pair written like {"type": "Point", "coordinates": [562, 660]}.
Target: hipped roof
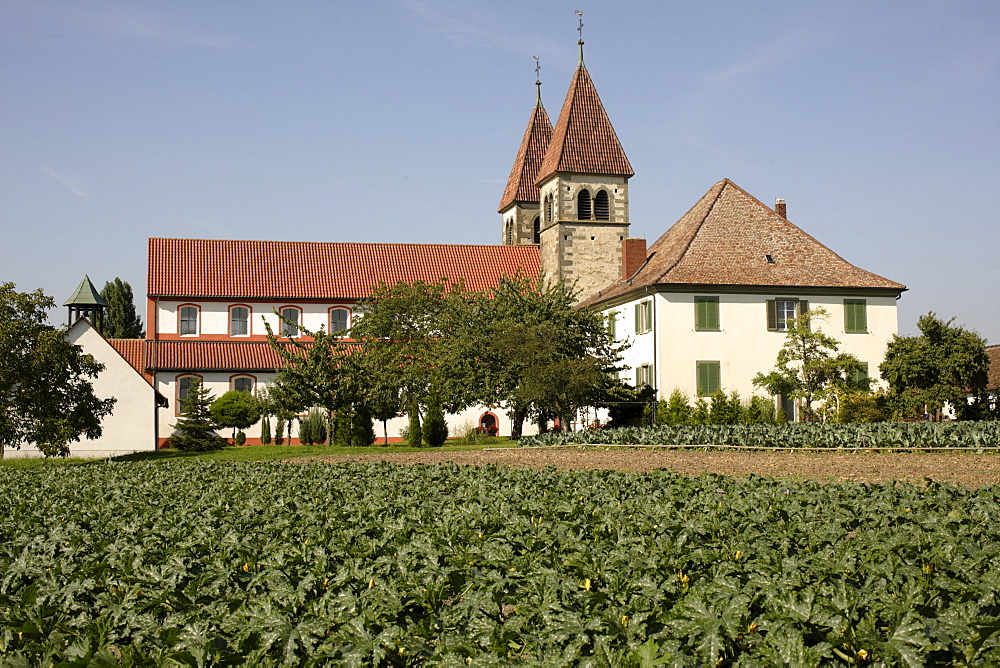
{"type": "Point", "coordinates": [291, 270]}
{"type": "Point", "coordinates": [724, 239]}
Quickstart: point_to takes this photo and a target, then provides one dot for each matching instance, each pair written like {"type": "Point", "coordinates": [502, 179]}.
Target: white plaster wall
{"type": "Point", "coordinates": [129, 428]}
{"type": "Point", "coordinates": [214, 316]}
{"type": "Point", "coordinates": [743, 346]}
{"type": "Point", "coordinates": [640, 350]}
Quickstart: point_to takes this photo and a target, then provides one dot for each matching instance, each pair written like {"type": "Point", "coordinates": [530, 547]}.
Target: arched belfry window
{"type": "Point", "coordinates": [538, 230]}
{"type": "Point", "coordinates": [548, 210]}
{"type": "Point", "coordinates": [583, 208]}
{"type": "Point", "coordinates": [509, 234]}
{"type": "Point", "coordinates": [601, 209]}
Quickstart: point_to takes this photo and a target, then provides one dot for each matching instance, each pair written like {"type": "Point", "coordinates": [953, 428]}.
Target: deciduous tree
{"type": "Point", "coordinates": [46, 395]}
{"type": "Point", "coordinates": [235, 410]}
{"type": "Point", "coordinates": [120, 320]}
{"type": "Point", "coordinates": [809, 367]}
{"type": "Point", "coordinates": [937, 367]}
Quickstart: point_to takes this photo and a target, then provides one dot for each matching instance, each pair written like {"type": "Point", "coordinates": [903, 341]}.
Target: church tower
{"type": "Point", "coordinates": [519, 208]}
{"type": "Point", "coordinates": [583, 190]}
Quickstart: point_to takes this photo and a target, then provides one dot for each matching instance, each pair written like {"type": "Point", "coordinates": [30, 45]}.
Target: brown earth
{"type": "Point", "coordinates": [964, 468]}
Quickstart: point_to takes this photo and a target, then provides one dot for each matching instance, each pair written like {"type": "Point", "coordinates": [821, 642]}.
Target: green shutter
{"type": "Point", "coordinates": [855, 315]}
{"type": "Point", "coordinates": [772, 315]}
{"type": "Point", "coordinates": [612, 317]}
{"type": "Point", "coordinates": [706, 313]}
{"type": "Point", "coordinates": [709, 379]}
{"type": "Point", "coordinates": [638, 317]}
{"type": "Point", "coordinates": [802, 308]}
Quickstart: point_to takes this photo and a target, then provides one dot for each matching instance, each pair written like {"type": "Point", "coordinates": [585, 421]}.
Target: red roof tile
{"type": "Point", "coordinates": [315, 270]}
{"type": "Point", "coordinates": [133, 351]}
{"type": "Point", "coordinates": [584, 141]}
{"type": "Point", "coordinates": [214, 356]}
{"type": "Point", "coordinates": [521, 183]}
{"type": "Point", "coordinates": [724, 240]}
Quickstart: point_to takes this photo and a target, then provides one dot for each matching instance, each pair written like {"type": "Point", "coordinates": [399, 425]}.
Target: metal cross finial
{"type": "Point", "coordinates": [538, 67]}
{"type": "Point", "coordinates": [579, 29]}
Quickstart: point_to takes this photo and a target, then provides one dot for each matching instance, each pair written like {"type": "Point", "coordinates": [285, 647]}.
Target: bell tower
{"type": "Point", "coordinates": [583, 191]}
{"type": "Point", "coordinates": [519, 208]}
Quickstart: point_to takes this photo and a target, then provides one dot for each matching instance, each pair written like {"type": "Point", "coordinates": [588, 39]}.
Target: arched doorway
{"type": "Point", "coordinates": [488, 422]}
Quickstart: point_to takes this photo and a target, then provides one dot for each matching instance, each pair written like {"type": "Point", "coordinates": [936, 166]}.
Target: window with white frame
{"type": "Point", "coordinates": [780, 312]}
{"type": "Point", "coordinates": [243, 383]}
{"type": "Point", "coordinates": [644, 376]}
{"type": "Point", "coordinates": [184, 387]}
{"type": "Point", "coordinates": [644, 316]}
{"type": "Point", "coordinates": [290, 322]}
{"type": "Point", "coordinates": [189, 321]}
{"type": "Point", "coordinates": [340, 320]}
{"type": "Point", "coordinates": [239, 321]}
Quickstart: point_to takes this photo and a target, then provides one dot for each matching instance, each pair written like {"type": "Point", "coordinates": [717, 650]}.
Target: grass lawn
{"type": "Point", "coordinates": [248, 453]}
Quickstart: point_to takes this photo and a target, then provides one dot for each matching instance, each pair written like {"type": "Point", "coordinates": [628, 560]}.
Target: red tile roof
{"type": "Point", "coordinates": [214, 356]}
{"type": "Point", "coordinates": [521, 183]}
{"type": "Point", "coordinates": [133, 351]}
{"type": "Point", "coordinates": [724, 239]}
{"type": "Point", "coordinates": [993, 375]}
{"type": "Point", "coordinates": [584, 142]}
{"type": "Point", "coordinates": [315, 270]}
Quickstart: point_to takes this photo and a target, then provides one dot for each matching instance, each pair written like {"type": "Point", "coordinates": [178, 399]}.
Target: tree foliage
{"type": "Point", "coordinates": [120, 320]}
{"type": "Point", "coordinates": [809, 368]}
{"type": "Point", "coordinates": [937, 367]}
{"type": "Point", "coordinates": [46, 395]}
{"type": "Point", "coordinates": [235, 410]}
{"type": "Point", "coordinates": [195, 429]}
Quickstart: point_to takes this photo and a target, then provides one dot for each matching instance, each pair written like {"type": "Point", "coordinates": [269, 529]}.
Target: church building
{"type": "Point", "coordinates": [704, 308]}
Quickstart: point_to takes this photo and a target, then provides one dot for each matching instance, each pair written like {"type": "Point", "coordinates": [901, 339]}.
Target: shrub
{"type": "Point", "coordinates": [235, 410]}
{"type": "Point", "coordinates": [676, 410]}
{"type": "Point", "coordinates": [279, 431]}
{"type": "Point", "coordinates": [760, 410]}
{"type": "Point", "coordinates": [312, 428]}
{"type": "Point", "coordinates": [415, 435]}
{"type": "Point", "coordinates": [265, 430]}
{"type": "Point", "coordinates": [469, 434]}
{"type": "Point", "coordinates": [240, 438]}
{"type": "Point", "coordinates": [435, 427]}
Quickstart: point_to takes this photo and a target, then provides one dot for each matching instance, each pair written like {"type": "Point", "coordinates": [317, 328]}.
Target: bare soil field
{"type": "Point", "coordinates": [963, 468]}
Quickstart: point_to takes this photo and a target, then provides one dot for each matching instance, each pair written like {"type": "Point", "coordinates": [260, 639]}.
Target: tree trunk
{"type": "Point", "coordinates": [517, 423]}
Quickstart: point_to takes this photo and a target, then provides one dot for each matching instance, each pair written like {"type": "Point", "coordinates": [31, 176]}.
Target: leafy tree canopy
{"type": "Point", "coordinates": [808, 367]}
{"type": "Point", "coordinates": [939, 366]}
{"type": "Point", "coordinates": [46, 397]}
{"type": "Point", "coordinates": [235, 410]}
{"type": "Point", "coordinates": [120, 320]}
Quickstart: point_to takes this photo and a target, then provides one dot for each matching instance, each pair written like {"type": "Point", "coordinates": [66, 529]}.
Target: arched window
{"type": "Point", "coordinates": [340, 320]}
{"type": "Point", "coordinates": [583, 208]}
{"type": "Point", "coordinates": [509, 233]}
{"type": "Point", "coordinates": [183, 387]}
{"type": "Point", "coordinates": [242, 383]}
{"type": "Point", "coordinates": [290, 324]}
{"type": "Point", "coordinates": [601, 209]}
{"type": "Point", "coordinates": [537, 230]}
{"type": "Point", "coordinates": [239, 320]}
{"type": "Point", "coordinates": [188, 316]}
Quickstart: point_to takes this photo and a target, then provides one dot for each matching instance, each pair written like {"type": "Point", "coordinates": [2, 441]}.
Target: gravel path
{"type": "Point", "coordinates": [963, 468]}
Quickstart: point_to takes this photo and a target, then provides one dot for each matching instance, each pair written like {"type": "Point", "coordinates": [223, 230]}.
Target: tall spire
{"type": "Point", "coordinates": [521, 182]}
{"type": "Point", "coordinates": [584, 141]}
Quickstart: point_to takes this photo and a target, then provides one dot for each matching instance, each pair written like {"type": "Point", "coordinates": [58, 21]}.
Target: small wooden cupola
{"type": "Point", "coordinates": [86, 302]}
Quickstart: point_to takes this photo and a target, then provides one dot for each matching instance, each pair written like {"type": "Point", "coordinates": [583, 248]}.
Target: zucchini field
{"type": "Point", "coordinates": [202, 563]}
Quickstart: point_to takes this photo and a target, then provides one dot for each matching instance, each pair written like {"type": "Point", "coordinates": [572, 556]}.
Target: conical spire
{"type": "Point", "coordinates": [584, 141]}
{"type": "Point", "coordinates": [523, 175]}
{"type": "Point", "coordinates": [85, 294]}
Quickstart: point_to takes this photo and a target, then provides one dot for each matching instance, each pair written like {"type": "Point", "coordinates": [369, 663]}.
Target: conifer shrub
{"type": "Point", "coordinates": [435, 428]}
{"type": "Point", "coordinates": [279, 431]}
{"type": "Point", "coordinates": [195, 430]}
{"type": "Point", "coordinates": [415, 435]}
{"type": "Point", "coordinates": [312, 428]}
{"type": "Point", "coordinates": [265, 430]}
{"type": "Point", "coordinates": [240, 438]}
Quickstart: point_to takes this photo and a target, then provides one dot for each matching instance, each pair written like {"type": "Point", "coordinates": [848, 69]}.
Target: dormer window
{"type": "Point", "coordinates": [601, 209]}
{"type": "Point", "coordinates": [583, 205]}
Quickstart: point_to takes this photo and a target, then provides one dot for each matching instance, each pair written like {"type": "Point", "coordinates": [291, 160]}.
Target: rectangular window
{"type": "Point", "coordinates": [289, 326]}
{"type": "Point", "coordinates": [855, 316]}
{"type": "Point", "coordinates": [857, 379]}
{"type": "Point", "coordinates": [706, 314]}
{"type": "Point", "coordinates": [709, 380]}
{"type": "Point", "coordinates": [644, 316]}
{"type": "Point", "coordinates": [189, 321]}
{"type": "Point", "coordinates": [644, 376]}
{"type": "Point", "coordinates": [239, 321]}
{"type": "Point", "coordinates": [780, 312]}
{"type": "Point", "coordinates": [339, 320]}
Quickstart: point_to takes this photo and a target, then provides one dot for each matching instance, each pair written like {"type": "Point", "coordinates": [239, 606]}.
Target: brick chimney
{"type": "Point", "coordinates": [780, 208]}
{"type": "Point", "coordinates": [633, 256]}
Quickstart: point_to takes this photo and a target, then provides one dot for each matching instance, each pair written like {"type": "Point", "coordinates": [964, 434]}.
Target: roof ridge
{"type": "Point", "coordinates": [337, 243]}
{"type": "Point", "coordinates": [697, 228]}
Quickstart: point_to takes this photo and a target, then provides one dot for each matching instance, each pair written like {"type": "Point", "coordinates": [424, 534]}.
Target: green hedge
{"type": "Point", "coordinates": [868, 435]}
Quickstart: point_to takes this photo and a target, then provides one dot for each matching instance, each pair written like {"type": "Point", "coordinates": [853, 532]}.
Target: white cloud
{"type": "Point", "coordinates": [67, 182]}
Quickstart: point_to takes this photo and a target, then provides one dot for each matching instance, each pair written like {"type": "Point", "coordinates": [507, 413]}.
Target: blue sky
{"type": "Point", "coordinates": [398, 121]}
